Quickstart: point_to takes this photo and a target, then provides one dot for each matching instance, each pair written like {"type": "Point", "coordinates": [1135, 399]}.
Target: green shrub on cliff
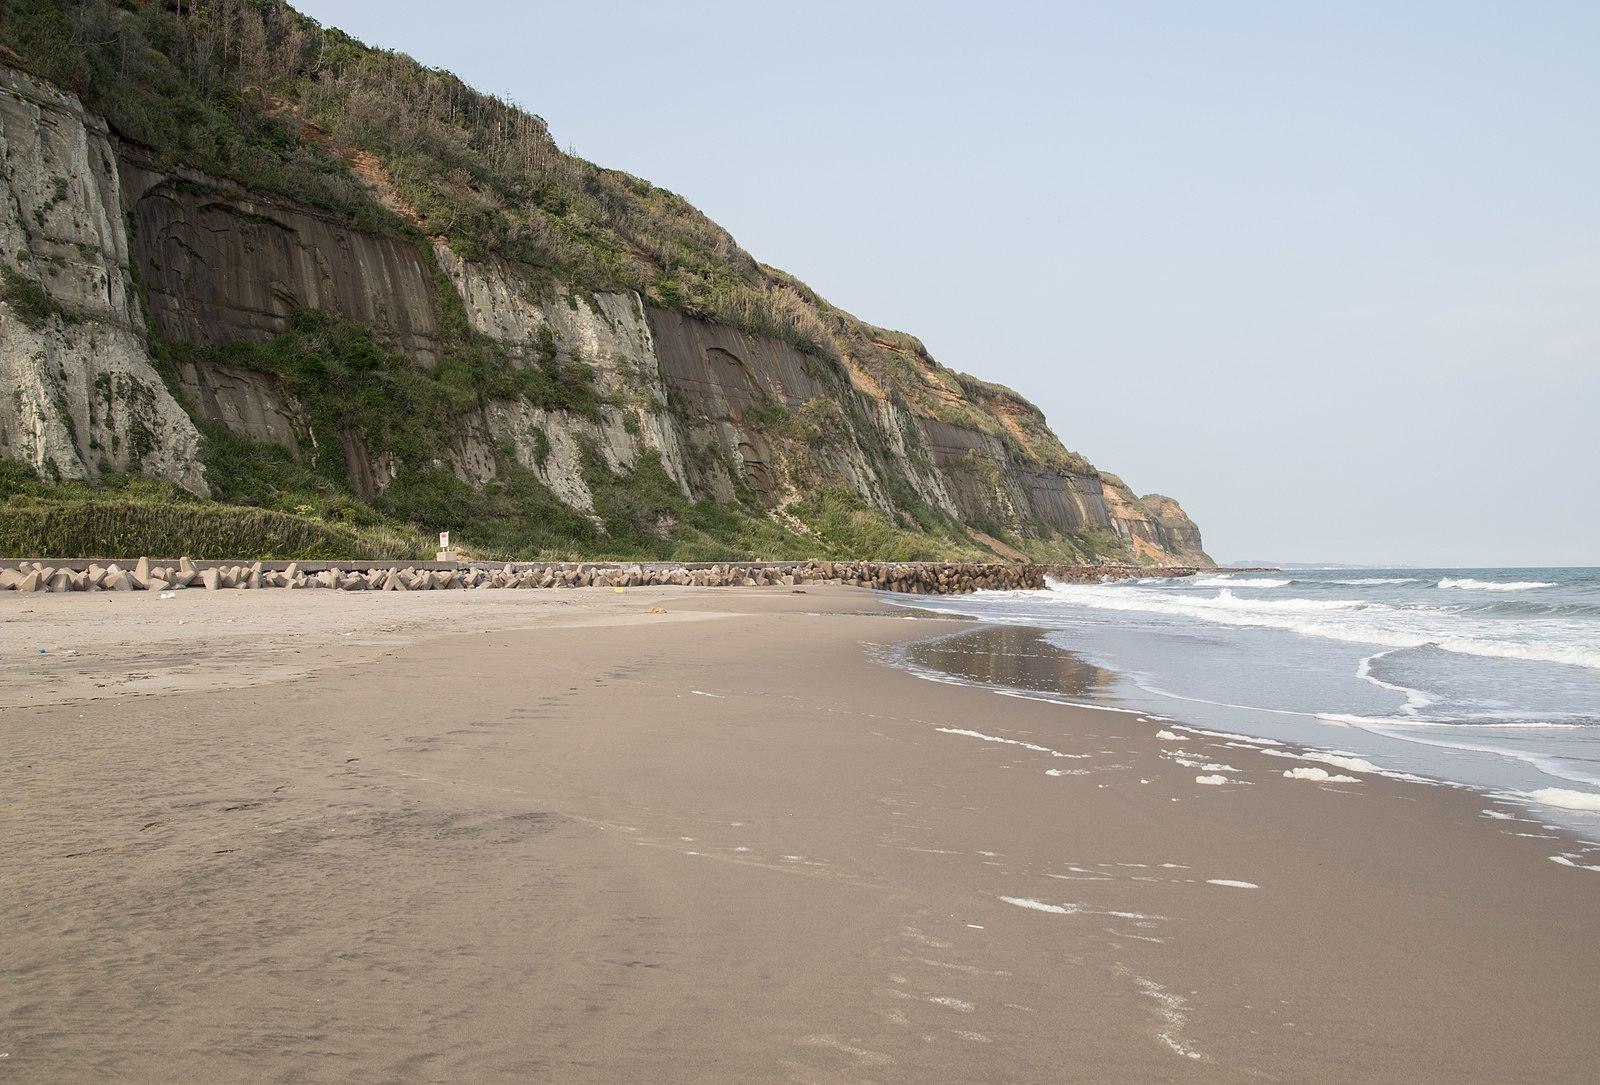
{"type": "Point", "coordinates": [254, 92]}
{"type": "Point", "coordinates": [348, 382]}
{"type": "Point", "coordinates": [258, 93]}
{"type": "Point", "coordinates": [128, 515]}
{"type": "Point", "coordinates": [124, 528]}
{"type": "Point", "coordinates": [513, 515]}
{"type": "Point", "coordinates": [849, 528]}
{"type": "Point", "coordinates": [29, 299]}
{"type": "Point", "coordinates": [165, 81]}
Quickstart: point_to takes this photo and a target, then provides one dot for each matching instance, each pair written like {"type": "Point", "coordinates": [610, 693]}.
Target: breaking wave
{"type": "Point", "coordinates": [1467, 583]}
{"type": "Point", "coordinates": [1492, 683]}
{"type": "Point", "coordinates": [1225, 581]}
{"type": "Point", "coordinates": [1351, 620]}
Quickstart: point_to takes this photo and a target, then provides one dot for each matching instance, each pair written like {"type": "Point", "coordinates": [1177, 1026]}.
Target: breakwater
{"type": "Point", "coordinates": [914, 577]}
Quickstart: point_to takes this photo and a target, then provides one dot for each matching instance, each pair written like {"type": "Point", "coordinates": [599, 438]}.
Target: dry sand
{"type": "Point", "coordinates": [551, 836]}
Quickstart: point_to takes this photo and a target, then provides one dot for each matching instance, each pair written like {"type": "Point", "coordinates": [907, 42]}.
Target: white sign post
{"type": "Point", "coordinates": [444, 553]}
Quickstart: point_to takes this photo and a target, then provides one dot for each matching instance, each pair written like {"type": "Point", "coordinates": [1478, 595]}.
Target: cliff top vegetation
{"type": "Point", "coordinates": [255, 92]}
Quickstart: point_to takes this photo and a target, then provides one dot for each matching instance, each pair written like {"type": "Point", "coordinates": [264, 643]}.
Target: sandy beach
{"type": "Point", "coordinates": [557, 836]}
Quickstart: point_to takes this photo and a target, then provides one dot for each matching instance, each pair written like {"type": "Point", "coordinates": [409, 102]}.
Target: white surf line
{"type": "Point", "coordinates": [703, 693]}
{"type": "Point", "coordinates": [1184, 758]}
{"type": "Point", "coordinates": [1562, 798]}
{"type": "Point", "coordinates": [1171, 1009]}
{"type": "Point", "coordinates": [1011, 742]}
{"type": "Point", "coordinates": [1072, 908]}
{"type": "Point", "coordinates": [1137, 937]}
{"type": "Point", "coordinates": [1415, 698]}
{"type": "Point", "coordinates": [1566, 860]}
{"type": "Point", "coordinates": [1229, 734]}
{"type": "Point", "coordinates": [1232, 883]}
{"type": "Point", "coordinates": [1346, 761]}
{"type": "Point", "coordinates": [1322, 776]}
{"type": "Point", "coordinates": [1352, 763]}
{"type": "Point", "coordinates": [1548, 765]}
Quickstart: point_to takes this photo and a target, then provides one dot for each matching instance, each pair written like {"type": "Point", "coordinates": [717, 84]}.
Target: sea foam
{"type": "Point", "coordinates": [1567, 799]}
{"type": "Point", "coordinates": [1351, 620]}
{"type": "Point", "coordinates": [1321, 776]}
{"type": "Point", "coordinates": [1010, 742]}
{"type": "Point", "coordinates": [1040, 906]}
{"type": "Point", "coordinates": [1469, 584]}
{"type": "Point", "coordinates": [1229, 582]}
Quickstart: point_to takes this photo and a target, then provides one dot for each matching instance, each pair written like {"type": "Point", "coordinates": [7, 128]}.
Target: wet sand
{"type": "Point", "coordinates": [552, 836]}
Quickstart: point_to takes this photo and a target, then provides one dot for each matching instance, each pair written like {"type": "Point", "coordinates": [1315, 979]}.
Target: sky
{"type": "Point", "coordinates": [1327, 274]}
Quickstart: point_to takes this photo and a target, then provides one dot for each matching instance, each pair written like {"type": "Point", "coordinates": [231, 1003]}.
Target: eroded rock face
{"type": "Point", "coordinates": [991, 484]}
{"type": "Point", "coordinates": [734, 394]}
{"type": "Point", "coordinates": [729, 414]}
{"type": "Point", "coordinates": [607, 332]}
{"type": "Point", "coordinates": [1181, 535]}
{"type": "Point", "coordinates": [1156, 528]}
{"type": "Point", "coordinates": [252, 404]}
{"type": "Point", "coordinates": [80, 393]}
{"type": "Point", "coordinates": [220, 265]}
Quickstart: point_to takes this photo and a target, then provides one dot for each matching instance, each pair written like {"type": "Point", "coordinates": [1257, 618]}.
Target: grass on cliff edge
{"type": "Point", "coordinates": [260, 94]}
{"type": "Point", "coordinates": [643, 517]}
{"type": "Point", "coordinates": [126, 516]}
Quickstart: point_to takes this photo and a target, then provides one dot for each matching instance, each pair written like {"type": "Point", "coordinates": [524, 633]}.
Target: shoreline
{"type": "Point", "coordinates": [492, 835]}
{"type": "Point", "coordinates": [1325, 758]}
{"type": "Point", "coordinates": [1418, 697]}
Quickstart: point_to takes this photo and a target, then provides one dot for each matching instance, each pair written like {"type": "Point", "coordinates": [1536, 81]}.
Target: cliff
{"type": "Point", "coordinates": [351, 289]}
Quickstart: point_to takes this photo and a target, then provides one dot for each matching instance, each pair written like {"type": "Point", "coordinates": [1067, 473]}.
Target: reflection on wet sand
{"type": "Point", "coordinates": [1014, 657]}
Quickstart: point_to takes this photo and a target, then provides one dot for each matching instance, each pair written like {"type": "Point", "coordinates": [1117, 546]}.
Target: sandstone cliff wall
{"type": "Point", "coordinates": [729, 414]}
{"type": "Point", "coordinates": [78, 394]}
{"type": "Point", "coordinates": [220, 265]}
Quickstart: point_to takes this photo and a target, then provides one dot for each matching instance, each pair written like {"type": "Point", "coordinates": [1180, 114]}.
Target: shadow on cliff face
{"type": "Point", "coordinates": [1013, 657]}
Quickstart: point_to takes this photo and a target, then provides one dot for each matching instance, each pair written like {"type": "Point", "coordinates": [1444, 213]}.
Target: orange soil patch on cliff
{"type": "Point", "coordinates": [1008, 419]}
{"type": "Point", "coordinates": [371, 172]}
{"type": "Point", "coordinates": [861, 378]}
{"type": "Point", "coordinates": [939, 382]}
{"type": "Point", "coordinates": [366, 166]}
{"type": "Point", "coordinates": [1143, 548]}
{"type": "Point", "coordinates": [1120, 508]}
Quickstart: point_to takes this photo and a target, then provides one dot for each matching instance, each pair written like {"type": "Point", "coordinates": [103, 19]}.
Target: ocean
{"type": "Point", "coordinates": [1486, 678]}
